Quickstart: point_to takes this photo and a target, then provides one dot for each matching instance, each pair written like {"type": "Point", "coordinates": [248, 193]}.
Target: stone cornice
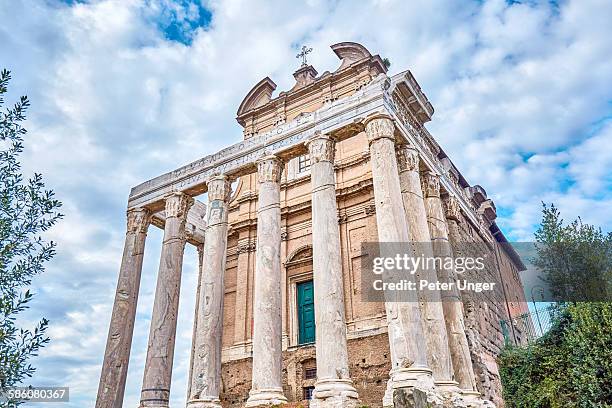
{"type": "Point", "coordinates": [238, 159]}
{"type": "Point", "coordinates": [417, 136]}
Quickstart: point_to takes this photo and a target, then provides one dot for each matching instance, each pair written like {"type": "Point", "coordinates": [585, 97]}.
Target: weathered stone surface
{"type": "Point", "coordinates": [451, 300]}
{"type": "Point", "coordinates": [408, 351]}
{"type": "Point", "coordinates": [266, 386]}
{"type": "Point", "coordinates": [334, 387]}
{"type": "Point", "coordinates": [120, 332]}
{"type": "Point", "coordinates": [206, 369]}
{"type": "Point", "coordinates": [432, 313]}
{"type": "Point", "coordinates": [160, 352]}
{"type": "Point", "coordinates": [369, 369]}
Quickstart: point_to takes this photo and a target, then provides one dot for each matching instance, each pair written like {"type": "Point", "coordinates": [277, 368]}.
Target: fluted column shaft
{"type": "Point", "coordinates": [266, 387]}
{"type": "Point", "coordinates": [206, 375]}
{"type": "Point", "coordinates": [333, 386]}
{"type": "Point", "coordinates": [432, 313]}
{"type": "Point", "coordinates": [406, 338]}
{"type": "Point", "coordinates": [121, 330]}
{"type": "Point", "coordinates": [162, 335]}
{"type": "Point", "coordinates": [451, 300]}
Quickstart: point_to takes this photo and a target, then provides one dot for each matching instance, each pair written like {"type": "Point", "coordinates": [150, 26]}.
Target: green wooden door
{"type": "Point", "coordinates": [306, 316]}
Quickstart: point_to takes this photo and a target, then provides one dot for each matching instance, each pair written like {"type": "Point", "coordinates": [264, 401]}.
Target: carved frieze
{"type": "Point", "coordinates": [381, 127]}
{"type": "Point", "coordinates": [431, 184]}
{"type": "Point", "coordinates": [270, 168]}
{"type": "Point", "coordinates": [138, 220]}
{"type": "Point", "coordinates": [219, 188]}
{"type": "Point", "coordinates": [407, 158]}
{"type": "Point", "coordinates": [321, 148]}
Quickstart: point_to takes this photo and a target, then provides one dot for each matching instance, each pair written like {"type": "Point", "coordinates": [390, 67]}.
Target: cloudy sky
{"type": "Point", "coordinates": [125, 90]}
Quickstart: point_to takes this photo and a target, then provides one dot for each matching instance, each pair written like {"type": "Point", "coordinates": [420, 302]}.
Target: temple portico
{"type": "Point", "coordinates": [265, 310]}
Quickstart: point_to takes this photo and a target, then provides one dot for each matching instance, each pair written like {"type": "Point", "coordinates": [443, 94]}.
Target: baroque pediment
{"type": "Point", "coordinates": [258, 96]}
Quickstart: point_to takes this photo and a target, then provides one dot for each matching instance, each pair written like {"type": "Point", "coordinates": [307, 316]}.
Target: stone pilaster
{"type": "Point", "coordinates": [432, 313]}
{"type": "Point", "coordinates": [406, 338]}
{"type": "Point", "coordinates": [334, 387]}
{"type": "Point", "coordinates": [206, 375]}
{"type": "Point", "coordinates": [267, 386]}
{"type": "Point", "coordinates": [451, 300]}
{"type": "Point", "coordinates": [162, 335]}
{"type": "Point", "coordinates": [121, 330]}
{"type": "Point", "coordinates": [246, 248]}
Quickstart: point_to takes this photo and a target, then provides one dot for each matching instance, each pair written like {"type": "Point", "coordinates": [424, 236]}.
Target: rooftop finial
{"type": "Point", "coordinates": [302, 55]}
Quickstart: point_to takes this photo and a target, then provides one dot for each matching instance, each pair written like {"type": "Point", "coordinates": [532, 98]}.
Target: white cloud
{"type": "Point", "coordinates": [521, 92]}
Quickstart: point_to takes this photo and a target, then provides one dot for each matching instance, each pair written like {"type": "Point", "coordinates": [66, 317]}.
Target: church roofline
{"type": "Point", "coordinates": [351, 54]}
{"type": "Point", "coordinates": [262, 91]}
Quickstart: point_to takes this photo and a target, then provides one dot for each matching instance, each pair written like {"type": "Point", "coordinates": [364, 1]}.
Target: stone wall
{"type": "Point", "coordinates": [369, 365]}
{"type": "Point", "coordinates": [484, 311]}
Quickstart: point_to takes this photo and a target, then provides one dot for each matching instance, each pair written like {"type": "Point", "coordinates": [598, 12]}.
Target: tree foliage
{"type": "Point", "coordinates": [575, 259]}
{"type": "Point", "coordinates": [27, 209]}
{"type": "Point", "coordinates": [571, 365]}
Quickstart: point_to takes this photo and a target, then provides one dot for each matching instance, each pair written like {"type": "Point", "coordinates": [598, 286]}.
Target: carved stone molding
{"type": "Point", "coordinates": [138, 220]}
{"type": "Point", "coordinates": [380, 127]}
{"type": "Point", "coordinates": [370, 209]}
{"type": "Point", "coordinates": [451, 208]}
{"type": "Point", "coordinates": [431, 184]}
{"type": "Point", "coordinates": [219, 188]}
{"type": "Point", "coordinates": [177, 204]}
{"type": "Point", "coordinates": [321, 148]}
{"type": "Point", "coordinates": [407, 158]}
{"type": "Point", "coordinates": [269, 168]}
{"type": "Point", "coordinates": [246, 245]}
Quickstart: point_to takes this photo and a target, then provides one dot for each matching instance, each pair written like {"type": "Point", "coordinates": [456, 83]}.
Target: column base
{"type": "Point", "coordinates": [334, 393]}
{"type": "Point", "coordinates": [448, 387]}
{"type": "Point", "coordinates": [204, 403]}
{"type": "Point", "coordinates": [417, 398]}
{"type": "Point", "coordinates": [473, 399]}
{"type": "Point", "coordinates": [263, 397]}
{"type": "Point", "coordinates": [407, 379]}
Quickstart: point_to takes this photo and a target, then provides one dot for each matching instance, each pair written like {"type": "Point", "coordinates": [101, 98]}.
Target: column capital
{"type": "Point", "coordinates": [431, 184]}
{"type": "Point", "coordinates": [177, 204]}
{"type": "Point", "coordinates": [219, 188]}
{"type": "Point", "coordinates": [451, 208]}
{"type": "Point", "coordinates": [380, 127]}
{"type": "Point", "coordinates": [269, 168]}
{"type": "Point", "coordinates": [407, 158]}
{"type": "Point", "coordinates": [321, 148]}
{"type": "Point", "coordinates": [138, 220]}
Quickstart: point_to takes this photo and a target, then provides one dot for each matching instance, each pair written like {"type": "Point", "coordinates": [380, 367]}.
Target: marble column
{"type": "Point", "coordinates": [452, 212]}
{"type": "Point", "coordinates": [194, 331]}
{"type": "Point", "coordinates": [266, 387]}
{"type": "Point", "coordinates": [334, 387]}
{"type": "Point", "coordinates": [432, 313]}
{"type": "Point", "coordinates": [451, 300]}
{"type": "Point", "coordinates": [160, 352]}
{"type": "Point", "coordinates": [406, 338]}
{"type": "Point", "coordinates": [206, 375]}
{"type": "Point", "coordinates": [119, 341]}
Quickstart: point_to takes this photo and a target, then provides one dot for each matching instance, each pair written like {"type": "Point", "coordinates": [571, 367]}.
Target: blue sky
{"type": "Point", "coordinates": [123, 91]}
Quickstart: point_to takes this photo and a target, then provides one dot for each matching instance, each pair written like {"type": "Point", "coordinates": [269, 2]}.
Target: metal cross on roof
{"type": "Point", "coordinates": [302, 55]}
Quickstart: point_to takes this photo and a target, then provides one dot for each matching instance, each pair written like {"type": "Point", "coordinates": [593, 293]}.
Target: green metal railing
{"type": "Point", "coordinates": [527, 327]}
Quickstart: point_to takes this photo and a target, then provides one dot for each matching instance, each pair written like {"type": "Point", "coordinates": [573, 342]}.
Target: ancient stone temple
{"type": "Point", "coordinates": [340, 159]}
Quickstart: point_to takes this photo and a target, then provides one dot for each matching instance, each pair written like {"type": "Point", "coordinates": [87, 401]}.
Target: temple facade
{"type": "Point", "coordinates": [340, 159]}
